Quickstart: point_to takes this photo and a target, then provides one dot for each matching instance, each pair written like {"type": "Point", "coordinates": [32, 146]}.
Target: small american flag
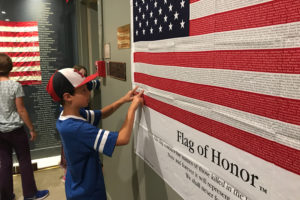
{"type": "Point", "coordinates": [20, 40]}
{"type": "Point", "coordinates": [229, 69]}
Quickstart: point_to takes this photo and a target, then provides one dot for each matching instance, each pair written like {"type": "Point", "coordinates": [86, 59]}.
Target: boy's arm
{"type": "Point", "coordinates": [125, 131]}
{"type": "Point", "coordinates": [110, 109]}
{"type": "Point", "coordinates": [25, 117]}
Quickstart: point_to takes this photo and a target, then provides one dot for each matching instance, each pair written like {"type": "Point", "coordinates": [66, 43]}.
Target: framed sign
{"type": "Point", "coordinates": [123, 34]}
{"type": "Point", "coordinates": [117, 70]}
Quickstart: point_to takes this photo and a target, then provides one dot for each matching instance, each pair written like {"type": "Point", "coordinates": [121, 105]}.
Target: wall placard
{"type": "Point", "coordinates": [123, 34]}
{"type": "Point", "coordinates": [117, 70]}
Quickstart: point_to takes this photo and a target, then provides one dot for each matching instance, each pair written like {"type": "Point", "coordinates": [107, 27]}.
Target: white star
{"type": "Point", "coordinates": [165, 1]}
{"type": "Point", "coordinates": [160, 11]}
{"type": "Point", "coordinates": [147, 23]}
{"type": "Point", "coordinates": [140, 9]}
{"type": "Point", "coordinates": [147, 7]}
{"type": "Point", "coordinates": [143, 16]}
{"type": "Point", "coordinates": [136, 18]}
{"type": "Point", "coordinates": [155, 21]}
{"type": "Point", "coordinates": [166, 18]}
{"type": "Point", "coordinates": [170, 7]}
{"type": "Point", "coordinates": [151, 30]}
{"type": "Point", "coordinates": [182, 4]}
{"type": "Point", "coordinates": [182, 24]}
{"type": "Point", "coordinates": [136, 32]}
{"type": "Point", "coordinates": [136, 4]}
{"type": "Point", "coordinates": [176, 15]}
{"type": "Point", "coordinates": [151, 14]}
{"type": "Point", "coordinates": [170, 26]}
{"type": "Point", "coordinates": [143, 31]}
{"type": "Point", "coordinates": [155, 4]}
{"type": "Point", "coordinates": [140, 24]}
{"type": "Point", "coordinates": [160, 28]}
{"type": "Point", "coordinates": [143, 1]}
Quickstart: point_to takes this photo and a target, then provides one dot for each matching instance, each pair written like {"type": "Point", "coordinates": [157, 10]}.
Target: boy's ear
{"type": "Point", "coordinates": [67, 97]}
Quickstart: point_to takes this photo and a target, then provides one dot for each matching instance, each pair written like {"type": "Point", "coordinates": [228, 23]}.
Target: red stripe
{"type": "Point", "coordinates": [5, 23]}
{"type": "Point", "coordinates": [19, 44]}
{"type": "Point", "coordinates": [30, 82]}
{"type": "Point", "coordinates": [23, 54]}
{"type": "Point", "coordinates": [265, 60]}
{"type": "Point", "coordinates": [24, 73]}
{"type": "Point", "coordinates": [193, 1]}
{"type": "Point", "coordinates": [265, 14]}
{"type": "Point", "coordinates": [23, 64]}
{"type": "Point", "coordinates": [18, 34]}
{"type": "Point", "coordinates": [278, 108]}
{"type": "Point", "coordinates": [280, 155]}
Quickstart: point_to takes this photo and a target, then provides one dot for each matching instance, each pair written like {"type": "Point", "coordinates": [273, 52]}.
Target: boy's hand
{"type": "Point", "coordinates": [137, 100]}
{"type": "Point", "coordinates": [129, 96]}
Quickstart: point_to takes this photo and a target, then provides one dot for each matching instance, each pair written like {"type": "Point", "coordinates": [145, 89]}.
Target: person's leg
{"type": "Point", "coordinates": [6, 180]}
{"type": "Point", "coordinates": [21, 146]}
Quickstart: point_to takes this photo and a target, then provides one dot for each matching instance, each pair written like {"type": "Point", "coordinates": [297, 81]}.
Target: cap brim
{"type": "Point", "coordinates": [88, 79]}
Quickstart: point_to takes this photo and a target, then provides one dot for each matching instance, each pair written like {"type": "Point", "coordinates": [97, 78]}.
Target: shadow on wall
{"type": "Point", "coordinates": [144, 177]}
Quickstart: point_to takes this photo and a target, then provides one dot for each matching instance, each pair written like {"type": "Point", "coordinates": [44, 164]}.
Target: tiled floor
{"type": "Point", "coordinates": [45, 179]}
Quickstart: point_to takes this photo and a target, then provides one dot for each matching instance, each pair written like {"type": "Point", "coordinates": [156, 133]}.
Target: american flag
{"type": "Point", "coordinates": [20, 40]}
{"type": "Point", "coordinates": [230, 69]}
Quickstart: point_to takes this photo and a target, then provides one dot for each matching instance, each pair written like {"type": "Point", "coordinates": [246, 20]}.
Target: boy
{"type": "Point", "coordinates": [83, 141]}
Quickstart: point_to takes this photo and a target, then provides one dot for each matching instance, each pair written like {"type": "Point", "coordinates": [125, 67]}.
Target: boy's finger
{"type": "Point", "coordinates": [134, 90]}
{"type": "Point", "coordinates": [140, 93]}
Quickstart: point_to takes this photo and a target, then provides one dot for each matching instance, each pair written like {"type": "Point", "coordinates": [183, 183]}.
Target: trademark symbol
{"type": "Point", "coordinates": [263, 189]}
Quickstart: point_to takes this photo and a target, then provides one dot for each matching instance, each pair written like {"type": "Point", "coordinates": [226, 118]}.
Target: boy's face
{"type": "Point", "coordinates": [81, 96]}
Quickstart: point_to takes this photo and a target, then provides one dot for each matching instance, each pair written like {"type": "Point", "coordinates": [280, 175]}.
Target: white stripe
{"type": "Point", "coordinates": [26, 69]}
{"type": "Point", "coordinates": [19, 39]}
{"type": "Point", "coordinates": [26, 59]}
{"type": "Point", "coordinates": [87, 116]}
{"type": "Point", "coordinates": [61, 117]}
{"type": "Point", "coordinates": [269, 37]}
{"type": "Point", "coordinates": [26, 78]}
{"type": "Point", "coordinates": [92, 116]}
{"type": "Point", "coordinates": [275, 130]}
{"type": "Point", "coordinates": [275, 84]}
{"type": "Point", "coordinates": [18, 28]}
{"type": "Point", "coordinates": [97, 139]}
{"type": "Point", "coordinates": [19, 49]}
{"type": "Point", "coordinates": [103, 141]}
{"type": "Point", "coordinates": [204, 8]}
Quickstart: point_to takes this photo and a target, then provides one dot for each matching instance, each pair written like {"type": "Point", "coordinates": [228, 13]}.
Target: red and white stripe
{"type": "Point", "coordinates": [20, 41]}
{"type": "Point", "coordinates": [235, 80]}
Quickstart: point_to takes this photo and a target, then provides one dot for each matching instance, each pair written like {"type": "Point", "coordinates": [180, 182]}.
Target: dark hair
{"type": "Point", "coordinates": [79, 67]}
{"type": "Point", "coordinates": [6, 64]}
{"type": "Point", "coordinates": [69, 90]}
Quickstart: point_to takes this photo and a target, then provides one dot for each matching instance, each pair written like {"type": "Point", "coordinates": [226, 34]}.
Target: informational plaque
{"type": "Point", "coordinates": [222, 101]}
{"type": "Point", "coordinates": [124, 37]}
{"type": "Point", "coordinates": [117, 70]}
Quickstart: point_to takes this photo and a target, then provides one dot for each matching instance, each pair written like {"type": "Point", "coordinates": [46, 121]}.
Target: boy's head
{"type": "Point", "coordinates": [66, 81]}
{"type": "Point", "coordinates": [6, 64]}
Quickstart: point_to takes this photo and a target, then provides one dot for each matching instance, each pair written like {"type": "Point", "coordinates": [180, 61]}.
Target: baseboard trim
{"type": "Point", "coordinates": [39, 163]}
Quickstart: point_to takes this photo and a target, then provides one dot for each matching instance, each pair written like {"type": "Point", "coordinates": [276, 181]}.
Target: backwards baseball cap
{"type": "Point", "coordinates": [65, 81]}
